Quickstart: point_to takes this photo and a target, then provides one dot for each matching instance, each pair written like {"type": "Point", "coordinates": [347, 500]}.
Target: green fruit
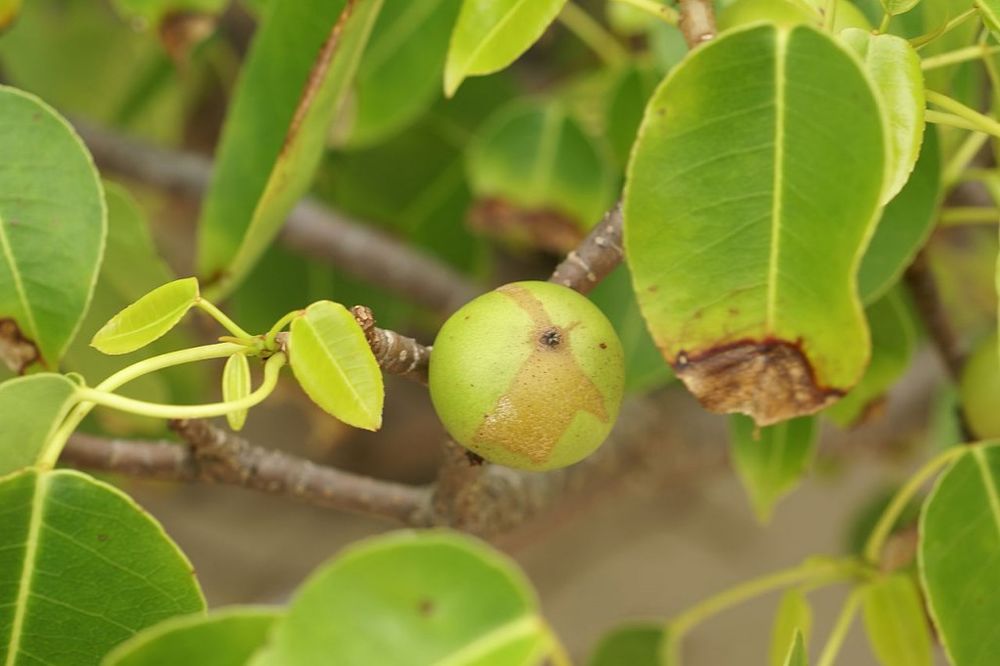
{"type": "Point", "coordinates": [979, 389]}
{"type": "Point", "coordinates": [529, 375]}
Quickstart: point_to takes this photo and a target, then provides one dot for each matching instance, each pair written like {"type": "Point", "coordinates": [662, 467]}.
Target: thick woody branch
{"type": "Point", "coordinates": [395, 353]}
{"type": "Point", "coordinates": [213, 455]}
{"type": "Point", "coordinates": [697, 21]}
{"type": "Point", "coordinates": [595, 257]}
{"type": "Point", "coordinates": [931, 310]}
{"type": "Point", "coordinates": [311, 229]}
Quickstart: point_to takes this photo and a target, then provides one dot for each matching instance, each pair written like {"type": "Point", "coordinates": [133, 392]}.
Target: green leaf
{"type": "Point", "coordinates": [227, 637]}
{"type": "Point", "coordinates": [82, 569]}
{"type": "Point", "coordinates": [959, 542]}
{"type": "Point", "coordinates": [794, 618]}
{"type": "Point", "coordinates": [797, 652]}
{"type": "Point", "coordinates": [632, 644]}
{"type": "Point", "coordinates": [893, 343]}
{"type": "Point", "coordinates": [895, 622]}
{"type": "Point", "coordinates": [32, 408]}
{"type": "Point", "coordinates": [979, 389]}
{"type": "Point", "coordinates": [895, 7]}
{"type": "Point", "coordinates": [538, 178]}
{"type": "Point", "coordinates": [9, 10]}
{"type": "Point", "coordinates": [989, 10]}
{"type": "Point", "coordinates": [332, 361]}
{"type": "Point", "coordinates": [771, 460]}
{"type": "Point", "coordinates": [152, 12]}
{"type": "Point", "coordinates": [894, 68]}
{"type": "Point", "coordinates": [440, 598]}
{"type": "Point", "coordinates": [276, 128]}
{"type": "Point", "coordinates": [235, 386]}
{"type": "Point", "coordinates": [400, 72]}
{"type": "Point", "coordinates": [624, 113]}
{"type": "Point", "coordinates": [491, 34]}
{"type": "Point", "coordinates": [747, 209]}
{"type": "Point", "coordinates": [52, 229]}
{"type": "Point", "coordinates": [906, 224]}
{"type": "Point", "coordinates": [147, 319]}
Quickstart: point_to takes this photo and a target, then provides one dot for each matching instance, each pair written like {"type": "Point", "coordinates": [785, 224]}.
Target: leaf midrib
{"type": "Point", "coordinates": [500, 25]}
{"type": "Point", "coordinates": [497, 637]}
{"type": "Point", "coordinates": [15, 272]}
{"type": "Point", "coordinates": [780, 47]}
{"type": "Point", "coordinates": [28, 570]}
{"type": "Point", "coordinates": [338, 367]}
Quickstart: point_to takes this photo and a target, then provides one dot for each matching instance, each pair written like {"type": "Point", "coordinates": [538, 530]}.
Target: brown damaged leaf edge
{"type": "Point", "coordinates": [530, 418]}
{"type": "Point", "coordinates": [769, 380]}
{"type": "Point", "coordinates": [543, 228]}
{"type": "Point", "coordinates": [16, 351]}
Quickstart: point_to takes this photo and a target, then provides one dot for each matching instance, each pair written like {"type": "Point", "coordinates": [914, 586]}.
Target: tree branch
{"type": "Point", "coordinates": [395, 353]}
{"type": "Point", "coordinates": [927, 299]}
{"type": "Point", "coordinates": [697, 21]}
{"type": "Point", "coordinates": [213, 455]}
{"type": "Point", "coordinates": [596, 256]}
{"type": "Point", "coordinates": [311, 229]}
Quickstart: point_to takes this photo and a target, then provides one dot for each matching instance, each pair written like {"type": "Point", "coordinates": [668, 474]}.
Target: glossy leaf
{"type": "Point", "coordinates": [893, 344]}
{"type": "Point", "coordinates": [633, 644]}
{"type": "Point", "coordinates": [905, 225]}
{"type": "Point", "coordinates": [797, 652]}
{"type": "Point", "coordinates": [894, 7]}
{"type": "Point", "coordinates": [959, 540]}
{"type": "Point", "coordinates": [894, 68]}
{"type": "Point", "coordinates": [771, 460]}
{"type": "Point", "coordinates": [538, 178]}
{"type": "Point", "coordinates": [335, 366]}
{"type": "Point", "coordinates": [491, 34]}
{"type": "Point", "coordinates": [794, 617]}
{"type": "Point", "coordinates": [275, 131]}
{"type": "Point", "coordinates": [441, 598]}
{"type": "Point", "coordinates": [147, 319]}
{"type": "Point", "coordinates": [747, 209]}
{"type": "Point", "coordinates": [227, 637]}
{"type": "Point", "coordinates": [895, 622]}
{"type": "Point", "coordinates": [235, 386]}
{"type": "Point", "coordinates": [979, 389]}
{"type": "Point", "coordinates": [399, 76]}
{"type": "Point", "coordinates": [83, 568]}
{"type": "Point", "coordinates": [52, 229]}
{"type": "Point", "coordinates": [31, 408]}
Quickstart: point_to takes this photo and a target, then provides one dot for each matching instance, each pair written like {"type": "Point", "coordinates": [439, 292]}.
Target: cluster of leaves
{"type": "Point", "coordinates": [778, 181]}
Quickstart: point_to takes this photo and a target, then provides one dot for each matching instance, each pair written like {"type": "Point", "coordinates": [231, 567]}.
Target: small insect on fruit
{"type": "Point", "coordinates": [529, 375]}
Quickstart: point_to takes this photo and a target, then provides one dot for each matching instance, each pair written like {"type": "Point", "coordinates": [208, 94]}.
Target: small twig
{"type": "Point", "coordinates": [395, 353]}
{"type": "Point", "coordinates": [927, 299]}
{"type": "Point", "coordinates": [311, 229]}
{"type": "Point", "coordinates": [697, 21]}
{"type": "Point", "coordinates": [213, 455]}
{"type": "Point", "coordinates": [595, 257]}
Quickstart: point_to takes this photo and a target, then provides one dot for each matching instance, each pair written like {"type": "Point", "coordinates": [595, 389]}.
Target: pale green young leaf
{"type": "Point", "coordinates": [491, 34]}
{"type": "Point", "coordinates": [441, 598]}
{"type": "Point", "coordinates": [226, 637]}
{"type": "Point", "coordinates": [235, 386]}
{"type": "Point", "coordinates": [147, 319]}
{"type": "Point", "coordinates": [31, 408]}
{"type": "Point", "coordinates": [399, 76]}
{"type": "Point", "coordinates": [959, 541]}
{"type": "Point", "coordinates": [893, 343]}
{"type": "Point", "coordinates": [126, 574]}
{"type": "Point", "coordinates": [52, 229]}
{"type": "Point", "coordinates": [636, 644]}
{"type": "Point", "coordinates": [797, 655]}
{"type": "Point", "coordinates": [894, 68]}
{"type": "Point", "coordinates": [333, 363]}
{"type": "Point", "coordinates": [794, 617]}
{"type": "Point", "coordinates": [990, 12]}
{"type": "Point", "coordinates": [905, 225]}
{"type": "Point", "coordinates": [895, 7]}
{"type": "Point", "coordinates": [771, 460]}
{"type": "Point", "coordinates": [276, 128]}
{"type": "Point", "coordinates": [747, 209]}
{"type": "Point", "coordinates": [895, 622]}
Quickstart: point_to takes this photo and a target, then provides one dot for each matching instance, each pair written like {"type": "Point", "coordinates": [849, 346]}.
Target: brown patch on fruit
{"type": "Point", "coordinates": [541, 228]}
{"type": "Point", "coordinates": [531, 417]}
{"type": "Point", "coordinates": [770, 381]}
{"type": "Point", "coordinates": [16, 351]}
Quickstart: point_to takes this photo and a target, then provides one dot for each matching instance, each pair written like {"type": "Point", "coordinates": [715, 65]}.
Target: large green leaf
{"type": "Point", "coordinates": [895, 622]}
{"type": "Point", "coordinates": [491, 34]}
{"type": "Point", "coordinates": [905, 225]}
{"type": "Point", "coordinates": [276, 128]}
{"type": "Point", "coordinates": [794, 617]}
{"type": "Point", "coordinates": [894, 68]}
{"type": "Point", "coordinates": [635, 644]}
{"type": "Point", "coordinates": [52, 229]}
{"type": "Point", "coordinates": [959, 542]}
{"type": "Point", "coordinates": [747, 209]}
{"type": "Point", "coordinates": [148, 319]}
{"type": "Point", "coordinates": [31, 408]}
{"type": "Point", "coordinates": [400, 72]}
{"type": "Point", "coordinates": [440, 598]}
{"type": "Point", "coordinates": [771, 460]}
{"type": "Point", "coordinates": [335, 366]}
{"type": "Point", "coordinates": [227, 637]}
{"type": "Point", "coordinates": [893, 343]}
{"type": "Point", "coordinates": [82, 568]}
